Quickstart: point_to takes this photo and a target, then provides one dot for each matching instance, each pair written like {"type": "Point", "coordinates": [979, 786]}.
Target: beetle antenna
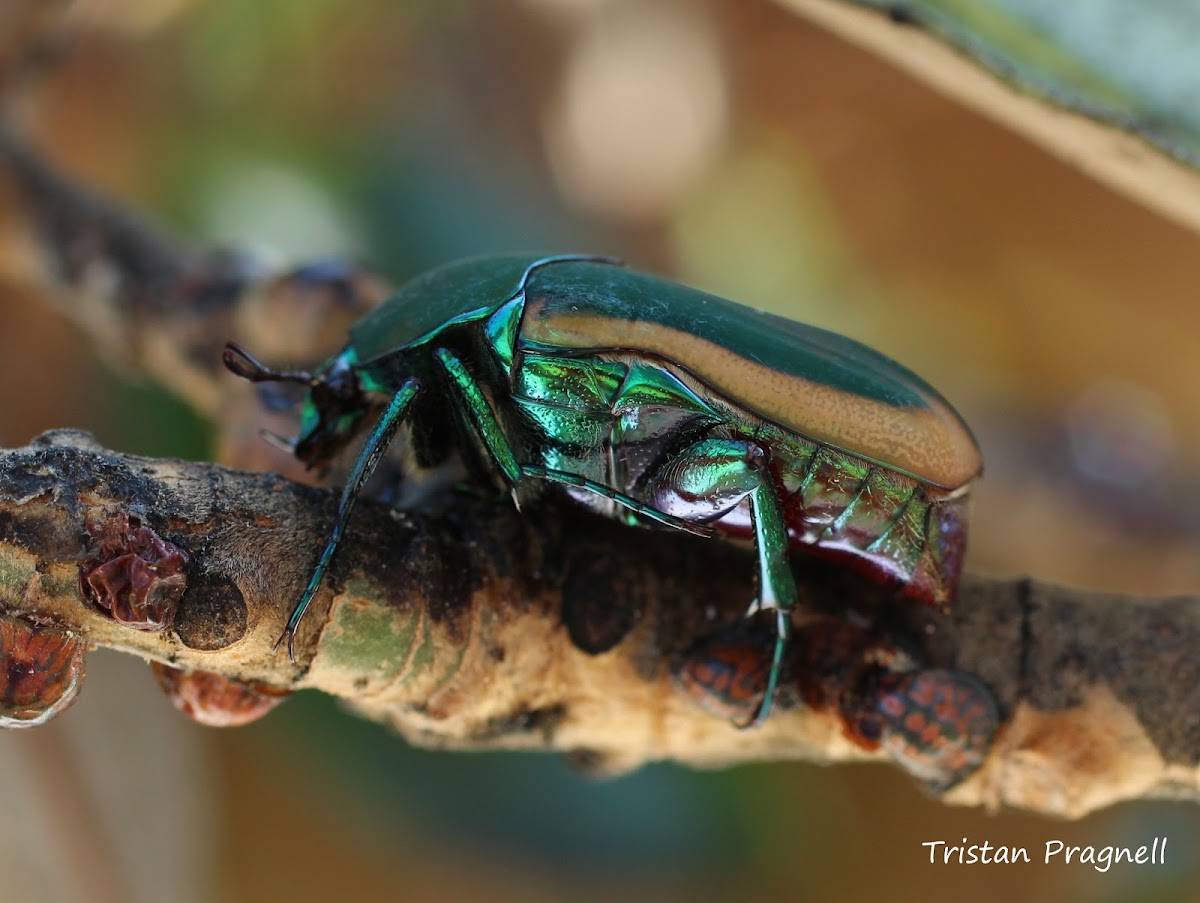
{"type": "Point", "coordinates": [242, 363]}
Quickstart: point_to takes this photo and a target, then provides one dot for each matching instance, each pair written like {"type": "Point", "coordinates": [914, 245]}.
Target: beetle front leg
{"type": "Point", "coordinates": [710, 479]}
{"type": "Point", "coordinates": [364, 466]}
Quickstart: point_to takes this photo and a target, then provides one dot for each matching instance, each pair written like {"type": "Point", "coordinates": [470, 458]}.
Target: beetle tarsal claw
{"type": "Point", "coordinates": [291, 644]}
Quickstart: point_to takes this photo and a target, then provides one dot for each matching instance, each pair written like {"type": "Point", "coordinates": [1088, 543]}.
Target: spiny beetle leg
{"type": "Point", "coordinates": [648, 511]}
{"type": "Point", "coordinates": [364, 466]}
{"type": "Point", "coordinates": [776, 588]}
{"type": "Point", "coordinates": [782, 633]}
{"type": "Point", "coordinates": [714, 476]}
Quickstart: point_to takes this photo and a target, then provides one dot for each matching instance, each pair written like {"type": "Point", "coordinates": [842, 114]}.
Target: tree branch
{"type": "Point", "coordinates": [153, 304]}
{"type": "Point", "coordinates": [480, 628]}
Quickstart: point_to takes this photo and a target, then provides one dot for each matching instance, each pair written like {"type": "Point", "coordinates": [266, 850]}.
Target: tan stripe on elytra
{"type": "Point", "coordinates": [931, 444]}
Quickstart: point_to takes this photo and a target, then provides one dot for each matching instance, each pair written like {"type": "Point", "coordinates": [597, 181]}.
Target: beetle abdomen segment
{"type": "Point", "coordinates": [937, 576]}
{"type": "Point", "coordinates": [577, 384]}
{"type": "Point", "coordinates": [888, 524]}
{"type": "Point", "coordinates": [609, 421]}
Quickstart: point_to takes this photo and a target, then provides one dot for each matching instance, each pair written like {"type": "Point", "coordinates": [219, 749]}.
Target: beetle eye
{"type": "Point", "coordinates": [336, 394]}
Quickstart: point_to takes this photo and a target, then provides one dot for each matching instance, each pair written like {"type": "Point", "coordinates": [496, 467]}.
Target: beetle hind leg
{"type": "Point", "coordinates": [708, 480]}
{"type": "Point", "coordinates": [776, 586]}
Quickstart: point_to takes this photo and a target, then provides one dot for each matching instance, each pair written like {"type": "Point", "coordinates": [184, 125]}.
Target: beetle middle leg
{"type": "Point", "coordinates": [628, 501]}
{"type": "Point", "coordinates": [492, 434]}
{"type": "Point", "coordinates": [706, 481]}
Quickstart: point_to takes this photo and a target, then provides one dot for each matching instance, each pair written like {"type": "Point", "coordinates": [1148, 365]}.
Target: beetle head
{"type": "Point", "coordinates": [333, 407]}
{"type": "Point", "coordinates": [332, 411]}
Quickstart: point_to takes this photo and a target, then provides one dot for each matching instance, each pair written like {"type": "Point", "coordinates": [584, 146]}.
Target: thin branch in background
{"type": "Point", "coordinates": [153, 304]}
{"type": "Point", "coordinates": [1113, 152]}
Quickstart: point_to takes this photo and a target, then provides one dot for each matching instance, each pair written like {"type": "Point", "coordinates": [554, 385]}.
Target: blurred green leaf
{"type": "Point", "coordinates": [1132, 65]}
{"type": "Point", "coordinates": [147, 419]}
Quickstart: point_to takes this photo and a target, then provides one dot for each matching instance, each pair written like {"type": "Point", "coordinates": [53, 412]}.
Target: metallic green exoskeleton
{"type": "Point", "coordinates": [653, 402]}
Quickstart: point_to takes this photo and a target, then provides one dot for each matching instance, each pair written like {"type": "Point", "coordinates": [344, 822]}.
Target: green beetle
{"type": "Point", "coordinates": [653, 402]}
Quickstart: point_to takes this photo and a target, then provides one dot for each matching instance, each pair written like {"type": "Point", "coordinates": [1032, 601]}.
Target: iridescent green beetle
{"type": "Point", "coordinates": [653, 402]}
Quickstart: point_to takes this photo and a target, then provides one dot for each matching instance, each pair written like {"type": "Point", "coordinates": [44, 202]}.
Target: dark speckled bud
{"type": "Point", "coordinates": [938, 724]}
{"type": "Point", "coordinates": [726, 673]}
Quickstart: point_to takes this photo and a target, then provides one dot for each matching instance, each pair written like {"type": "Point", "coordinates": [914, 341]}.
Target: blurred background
{"type": "Point", "coordinates": [733, 147]}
